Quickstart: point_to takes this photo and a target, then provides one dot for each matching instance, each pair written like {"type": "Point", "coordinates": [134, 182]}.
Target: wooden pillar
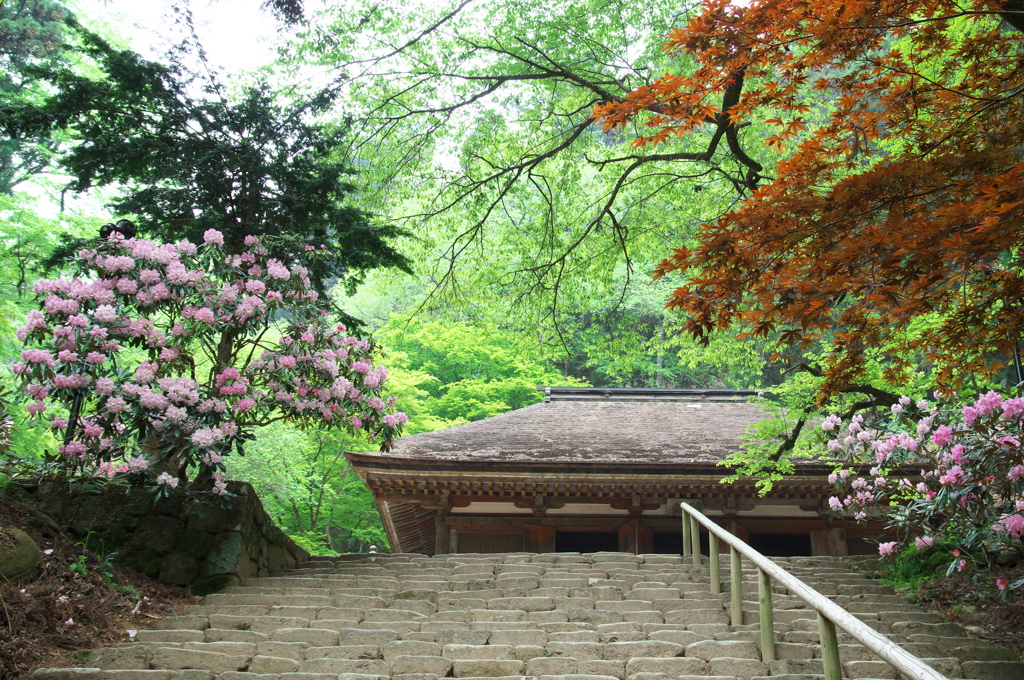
{"type": "Point", "coordinates": [695, 538]}
{"type": "Point", "coordinates": [735, 587]}
{"type": "Point", "coordinates": [830, 542]}
{"type": "Point", "coordinates": [686, 534]}
{"type": "Point", "coordinates": [739, 531]}
{"type": "Point", "coordinates": [629, 537]}
{"type": "Point", "coordinates": [767, 616]}
{"type": "Point", "coordinates": [644, 539]}
{"type": "Point", "coordinates": [538, 538]}
{"type": "Point", "coordinates": [442, 535]}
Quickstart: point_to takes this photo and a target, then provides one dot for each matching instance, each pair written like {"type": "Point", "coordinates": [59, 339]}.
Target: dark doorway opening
{"type": "Point", "coordinates": [668, 542]}
{"type": "Point", "coordinates": [586, 541]}
{"type": "Point", "coordinates": [671, 543]}
{"type": "Point", "coordinates": [781, 545]}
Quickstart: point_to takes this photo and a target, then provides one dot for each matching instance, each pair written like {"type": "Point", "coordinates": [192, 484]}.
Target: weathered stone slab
{"type": "Point", "coordinates": [194, 622]}
{"type": "Point", "coordinates": [595, 616]}
{"type": "Point", "coordinates": [741, 668]}
{"type": "Point", "coordinates": [452, 602]}
{"type": "Point", "coordinates": [575, 636]}
{"type": "Point", "coordinates": [712, 649]}
{"type": "Point", "coordinates": [173, 659]}
{"type": "Point", "coordinates": [486, 668]}
{"type": "Point", "coordinates": [463, 637]}
{"type": "Point", "coordinates": [114, 658]}
{"type": "Point", "coordinates": [378, 637]}
{"type": "Point", "coordinates": [316, 637]}
{"type": "Point", "coordinates": [170, 636]}
{"type": "Point", "coordinates": [546, 665]}
{"type": "Point", "coordinates": [436, 665]}
{"type": "Point", "coordinates": [273, 664]}
{"type": "Point", "coordinates": [519, 637]}
{"type": "Point", "coordinates": [339, 666]}
{"type": "Point", "coordinates": [993, 670]}
{"type": "Point", "coordinates": [616, 669]}
{"type": "Point", "coordinates": [268, 624]}
{"type": "Point", "coordinates": [680, 637]}
{"type": "Point", "coordinates": [581, 651]}
{"type": "Point", "coordinates": [77, 674]}
{"type": "Point", "coordinates": [397, 648]}
{"type": "Point", "coordinates": [624, 651]}
{"type": "Point", "coordinates": [671, 667]}
{"type": "Point", "coordinates": [287, 650]}
{"type": "Point", "coordinates": [342, 652]}
{"type": "Point", "coordinates": [456, 652]}
{"type": "Point", "coordinates": [344, 600]}
{"type": "Point", "coordinates": [501, 615]}
{"type": "Point", "coordinates": [528, 604]}
{"type": "Point", "coordinates": [696, 616]}
{"type": "Point", "coordinates": [221, 635]}
{"type": "Point", "coordinates": [918, 628]}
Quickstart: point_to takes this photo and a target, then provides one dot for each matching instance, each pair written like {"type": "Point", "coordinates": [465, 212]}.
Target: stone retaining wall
{"type": "Point", "coordinates": [205, 546]}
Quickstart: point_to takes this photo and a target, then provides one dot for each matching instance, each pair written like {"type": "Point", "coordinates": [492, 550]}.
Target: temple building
{"type": "Point", "coordinates": [592, 469]}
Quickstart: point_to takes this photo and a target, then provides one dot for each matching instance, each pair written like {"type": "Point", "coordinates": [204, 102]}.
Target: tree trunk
{"type": "Point", "coordinates": [660, 360]}
{"type": "Point", "coordinates": [1014, 14]}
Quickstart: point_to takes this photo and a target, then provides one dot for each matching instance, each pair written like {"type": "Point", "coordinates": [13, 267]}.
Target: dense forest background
{"type": "Point", "coordinates": [511, 239]}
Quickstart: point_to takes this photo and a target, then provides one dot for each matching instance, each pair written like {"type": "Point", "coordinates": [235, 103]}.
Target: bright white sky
{"type": "Point", "coordinates": [236, 34]}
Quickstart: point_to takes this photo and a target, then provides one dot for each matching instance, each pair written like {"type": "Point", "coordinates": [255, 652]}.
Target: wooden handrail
{"type": "Point", "coordinates": [830, 615]}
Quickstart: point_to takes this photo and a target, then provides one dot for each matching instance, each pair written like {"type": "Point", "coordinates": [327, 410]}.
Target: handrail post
{"type": "Point", "coordinates": [686, 531]}
{"type": "Point", "coordinates": [829, 648]}
{"type": "Point", "coordinates": [695, 537]}
{"type": "Point", "coordinates": [764, 599]}
{"type": "Point", "coordinates": [736, 574]}
{"type": "Point", "coordinates": [831, 617]}
{"type": "Point", "coordinates": [716, 575]}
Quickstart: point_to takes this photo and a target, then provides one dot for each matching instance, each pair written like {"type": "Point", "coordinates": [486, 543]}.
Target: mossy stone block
{"type": "Point", "coordinates": [146, 561]}
{"type": "Point", "coordinates": [178, 570]}
{"type": "Point", "coordinates": [19, 555]}
{"type": "Point", "coordinates": [212, 584]}
{"type": "Point", "coordinates": [98, 512]}
{"type": "Point", "coordinates": [225, 556]}
{"type": "Point", "coordinates": [195, 544]}
{"type": "Point", "coordinates": [157, 532]}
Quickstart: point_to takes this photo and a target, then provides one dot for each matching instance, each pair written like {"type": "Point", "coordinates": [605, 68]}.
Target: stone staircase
{"type": "Point", "coordinates": [556, 616]}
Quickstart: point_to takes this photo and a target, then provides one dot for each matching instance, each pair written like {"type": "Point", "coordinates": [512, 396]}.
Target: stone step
{"type": "Point", "coordinates": [612, 616]}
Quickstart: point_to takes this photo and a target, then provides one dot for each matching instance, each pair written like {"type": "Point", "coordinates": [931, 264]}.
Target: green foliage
{"type": "Point", "coordinates": [31, 29]}
{"type": "Point", "coordinates": [474, 133]}
{"type": "Point", "coordinates": [792, 400]}
{"type": "Point", "coordinates": [911, 567]}
{"type": "Point", "coordinates": [305, 484]}
{"type": "Point", "coordinates": [31, 33]}
{"type": "Point", "coordinates": [103, 565]}
{"type": "Point", "coordinates": [243, 166]}
{"type": "Point", "coordinates": [475, 372]}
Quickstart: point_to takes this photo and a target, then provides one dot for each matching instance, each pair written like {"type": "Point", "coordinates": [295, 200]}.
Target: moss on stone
{"type": "Point", "coordinates": [146, 561]}
{"type": "Point", "coordinates": [211, 584]}
{"type": "Point", "coordinates": [195, 544]}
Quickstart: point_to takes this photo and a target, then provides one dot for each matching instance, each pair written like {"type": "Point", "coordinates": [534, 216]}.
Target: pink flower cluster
{"type": "Point", "coordinates": [186, 307]}
{"type": "Point", "coordinates": [1010, 524]}
{"type": "Point", "coordinates": [969, 468]}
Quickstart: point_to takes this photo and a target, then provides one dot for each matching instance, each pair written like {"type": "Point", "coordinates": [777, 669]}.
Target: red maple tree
{"type": "Point", "coordinates": [894, 217]}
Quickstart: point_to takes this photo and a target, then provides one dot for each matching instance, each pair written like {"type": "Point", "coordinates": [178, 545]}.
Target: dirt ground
{"type": "Point", "coordinates": [78, 602]}
{"type": "Point", "coordinates": [979, 608]}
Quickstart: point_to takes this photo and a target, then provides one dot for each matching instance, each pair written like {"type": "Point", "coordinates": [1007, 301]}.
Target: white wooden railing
{"type": "Point", "coordinates": [830, 615]}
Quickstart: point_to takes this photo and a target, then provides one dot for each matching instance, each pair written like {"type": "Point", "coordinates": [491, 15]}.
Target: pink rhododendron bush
{"type": "Point", "coordinates": [942, 476]}
{"type": "Point", "coordinates": [164, 358]}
